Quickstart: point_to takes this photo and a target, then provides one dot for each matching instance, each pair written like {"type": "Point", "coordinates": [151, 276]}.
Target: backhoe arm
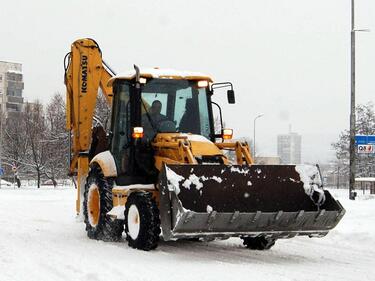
{"type": "Point", "coordinates": [85, 73]}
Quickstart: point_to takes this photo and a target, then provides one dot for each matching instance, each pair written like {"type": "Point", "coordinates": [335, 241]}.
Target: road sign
{"type": "Point", "coordinates": [366, 148]}
{"type": "Point", "coordinates": [361, 139]}
{"type": "Point", "coordinates": [1, 171]}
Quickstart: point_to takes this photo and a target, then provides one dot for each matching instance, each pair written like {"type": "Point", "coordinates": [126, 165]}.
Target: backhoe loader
{"type": "Point", "coordinates": [162, 170]}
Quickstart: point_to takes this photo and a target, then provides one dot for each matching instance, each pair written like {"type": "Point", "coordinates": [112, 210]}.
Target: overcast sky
{"type": "Point", "coordinates": [288, 59]}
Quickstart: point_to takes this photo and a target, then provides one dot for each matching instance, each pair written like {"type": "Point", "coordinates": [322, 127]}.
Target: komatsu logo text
{"type": "Point", "coordinates": [84, 64]}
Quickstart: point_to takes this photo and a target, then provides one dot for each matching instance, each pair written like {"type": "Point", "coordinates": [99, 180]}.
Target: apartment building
{"type": "Point", "coordinates": [11, 88]}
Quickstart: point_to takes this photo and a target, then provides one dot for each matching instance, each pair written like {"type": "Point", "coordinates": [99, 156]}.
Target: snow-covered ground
{"type": "Point", "coordinates": [40, 239]}
{"type": "Point", "coordinates": [4, 183]}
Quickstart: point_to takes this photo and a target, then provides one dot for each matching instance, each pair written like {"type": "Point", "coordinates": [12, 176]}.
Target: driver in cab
{"type": "Point", "coordinates": [152, 120]}
{"type": "Point", "coordinates": [155, 112]}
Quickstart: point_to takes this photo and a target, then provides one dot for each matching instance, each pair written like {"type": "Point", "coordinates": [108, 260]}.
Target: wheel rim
{"type": "Point", "coordinates": [93, 205]}
{"type": "Point", "coordinates": [134, 222]}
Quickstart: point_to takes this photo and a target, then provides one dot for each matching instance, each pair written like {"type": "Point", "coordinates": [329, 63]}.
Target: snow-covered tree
{"type": "Point", "coordinates": [102, 112]}
{"type": "Point", "coordinates": [15, 143]}
{"type": "Point", "coordinates": [365, 125]}
{"type": "Point", "coordinates": [35, 129]}
{"type": "Point", "coordinates": [36, 142]}
{"type": "Point", "coordinates": [56, 140]}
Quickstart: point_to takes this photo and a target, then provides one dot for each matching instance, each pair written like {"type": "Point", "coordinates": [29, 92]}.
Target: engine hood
{"type": "Point", "coordinates": [200, 145]}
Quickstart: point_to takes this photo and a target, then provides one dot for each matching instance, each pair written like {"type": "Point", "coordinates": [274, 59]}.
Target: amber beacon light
{"type": "Point", "coordinates": [227, 134]}
{"type": "Point", "coordinates": [137, 133]}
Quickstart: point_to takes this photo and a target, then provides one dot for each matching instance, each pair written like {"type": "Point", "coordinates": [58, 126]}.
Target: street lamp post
{"type": "Point", "coordinates": [352, 104]}
{"type": "Point", "coordinates": [260, 115]}
{"type": "Point", "coordinates": [1, 139]}
{"type": "Point", "coordinates": [352, 109]}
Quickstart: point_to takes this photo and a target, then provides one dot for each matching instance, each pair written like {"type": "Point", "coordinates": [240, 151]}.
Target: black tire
{"type": "Point", "coordinates": [105, 229]}
{"type": "Point", "coordinates": [258, 243]}
{"type": "Point", "coordinates": [148, 221]}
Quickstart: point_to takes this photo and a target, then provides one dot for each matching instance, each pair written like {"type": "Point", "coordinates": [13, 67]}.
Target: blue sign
{"type": "Point", "coordinates": [364, 140]}
{"type": "Point", "coordinates": [1, 171]}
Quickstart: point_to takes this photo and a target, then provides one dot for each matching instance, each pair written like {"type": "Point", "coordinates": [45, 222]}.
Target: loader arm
{"type": "Point", "coordinates": [85, 73]}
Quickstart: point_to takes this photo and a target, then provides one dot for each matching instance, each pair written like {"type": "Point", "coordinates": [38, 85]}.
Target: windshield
{"type": "Point", "coordinates": [174, 106]}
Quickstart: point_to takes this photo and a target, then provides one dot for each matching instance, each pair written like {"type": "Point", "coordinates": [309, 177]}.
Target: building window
{"type": "Point", "coordinates": [12, 106]}
{"type": "Point", "coordinates": [14, 76]}
{"type": "Point", "coordinates": [14, 93]}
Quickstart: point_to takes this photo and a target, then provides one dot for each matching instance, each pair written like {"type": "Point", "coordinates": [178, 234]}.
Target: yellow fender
{"type": "Point", "coordinates": [106, 163]}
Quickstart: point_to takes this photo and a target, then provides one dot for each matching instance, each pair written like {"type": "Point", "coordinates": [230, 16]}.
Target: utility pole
{"type": "Point", "coordinates": [352, 109]}
{"type": "Point", "coordinates": [1, 139]}
{"type": "Point", "coordinates": [352, 159]}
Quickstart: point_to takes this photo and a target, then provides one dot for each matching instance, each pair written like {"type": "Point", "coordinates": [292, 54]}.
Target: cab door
{"type": "Point", "coordinates": [120, 141]}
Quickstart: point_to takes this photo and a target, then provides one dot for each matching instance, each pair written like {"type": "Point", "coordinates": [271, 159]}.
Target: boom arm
{"type": "Point", "coordinates": [85, 72]}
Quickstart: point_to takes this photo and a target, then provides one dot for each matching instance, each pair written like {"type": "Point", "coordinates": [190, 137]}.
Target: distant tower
{"type": "Point", "coordinates": [11, 87]}
{"type": "Point", "coordinates": [289, 147]}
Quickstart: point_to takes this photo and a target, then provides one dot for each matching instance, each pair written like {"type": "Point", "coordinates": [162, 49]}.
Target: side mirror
{"type": "Point", "coordinates": [231, 98]}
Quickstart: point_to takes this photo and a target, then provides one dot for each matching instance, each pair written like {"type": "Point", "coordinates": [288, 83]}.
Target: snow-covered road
{"type": "Point", "coordinates": [40, 239]}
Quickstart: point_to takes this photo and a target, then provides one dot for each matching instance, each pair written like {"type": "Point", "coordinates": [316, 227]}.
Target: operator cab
{"type": "Point", "coordinates": [170, 102]}
{"type": "Point", "coordinates": [171, 106]}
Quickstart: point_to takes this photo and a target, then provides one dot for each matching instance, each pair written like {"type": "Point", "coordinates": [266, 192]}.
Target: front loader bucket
{"type": "Point", "coordinates": [224, 201]}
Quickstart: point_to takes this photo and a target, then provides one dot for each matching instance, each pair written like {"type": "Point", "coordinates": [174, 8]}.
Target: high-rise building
{"type": "Point", "coordinates": [11, 87]}
{"type": "Point", "coordinates": [289, 148]}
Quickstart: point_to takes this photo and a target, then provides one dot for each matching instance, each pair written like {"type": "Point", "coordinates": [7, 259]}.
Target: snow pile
{"type": "Point", "coordinates": [173, 180]}
{"type": "Point", "coordinates": [310, 177]}
{"type": "Point", "coordinates": [193, 179]}
{"type": "Point", "coordinates": [5, 183]}
{"type": "Point", "coordinates": [117, 212]}
{"type": "Point", "coordinates": [240, 170]}
{"type": "Point", "coordinates": [215, 178]}
{"type": "Point", "coordinates": [199, 138]}
{"type": "Point", "coordinates": [162, 73]}
{"type": "Point", "coordinates": [198, 181]}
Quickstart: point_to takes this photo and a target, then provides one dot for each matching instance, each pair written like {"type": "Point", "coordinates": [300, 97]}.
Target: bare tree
{"type": "Point", "coordinates": [35, 141]}
{"type": "Point", "coordinates": [56, 140]}
{"type": "Point", "coordinates": [15, 144]}
{"type": "Point", "coordinates": [35, 130]}
{"type": "Point", "coordinates": [102, 112]}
